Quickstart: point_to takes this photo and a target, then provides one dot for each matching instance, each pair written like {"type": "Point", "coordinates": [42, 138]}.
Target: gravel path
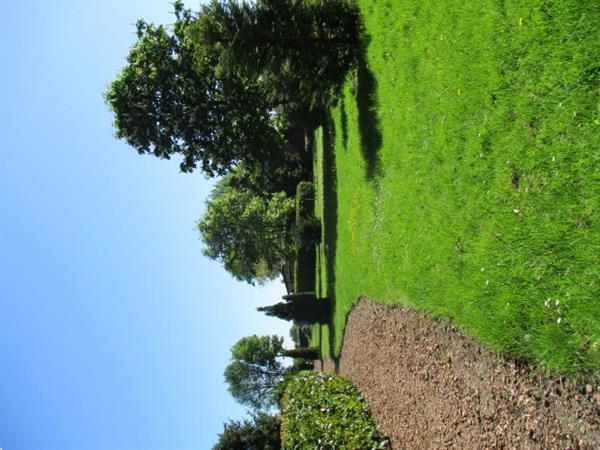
{"type": "Point", "coordinates": [429, 386]}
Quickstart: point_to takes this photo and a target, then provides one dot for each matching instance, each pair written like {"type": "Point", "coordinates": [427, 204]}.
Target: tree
{"type": "Point", "coordinates": [298, 50]}
{"type": "Point", "coordinates": [255, 372]}
{"type": "Point", "coordinates": [262, 350]}
{"type": "Point", "coordinates": [250, 235]}
{"type": "Point", "coordinates": [260, 433]}
{"type": "Point", "coordinates": [253, 385]}
{"type": "Point", "coordinates": [302, 308]}
{"type": "Point", "coordinates": [165, 102]}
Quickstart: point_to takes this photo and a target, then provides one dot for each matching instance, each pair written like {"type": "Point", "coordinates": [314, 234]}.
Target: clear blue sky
{"type": "Point", "coordinates": [114, 329]}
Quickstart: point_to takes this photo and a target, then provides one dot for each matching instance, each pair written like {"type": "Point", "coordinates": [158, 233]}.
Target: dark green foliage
{"type": "Point", "coordinates": [166, 103]}
{"type": "Point", "coordinates": [302, 364]}
{"type": "Point", "coordinates": [264, 181]}
{"type": "Point", "coordinates": [255, 375]}
{"type": "Point", "coordinates": [326, 411]}
{"type": "Point", "coordinates": [282, 386]}
{"type": "Point", "coordinates": [260, 433]}
{"type": "Point", "coordinates": [250, 235]}
{"type": "Point", "coordinates": [305, 198]}
{"type": "Point", "coordinates": [302, 352]}
{"type": "Point", "coordinates": [308, 233]}
{"type": "Point", "coordinates": [301, 334]}
{"type": "Point", "coordinates": [261, 350]}
{"type": "Point", "coordinates": [304, 269]}
{"type": "Point", "coordinates": [301, 296]}
{"type": "Point", "coordinates": [301, 311]}
{"type": "Point", "coordinates": [253, 385]}
{"type": "Point", "coordinates": [299, 50]}
{"type": "Point", "coordinates": [255, 372]}
{"type": "Point", "coordinates": [308, 227]}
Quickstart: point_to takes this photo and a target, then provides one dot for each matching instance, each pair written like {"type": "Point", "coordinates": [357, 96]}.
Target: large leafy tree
{"type": "Point", "coordinates": [255, 376]}
{"type": "Point", "coordinates": [166, 102]}
{"type": "Point", "coordinates": [255, 372]}
{"type": "Point", "coordinates": [262, 350]}
{"type": "Point", "coordinates": [298, 50]}
{"type": "Point", "coordinates": [260, 433]}
{"type": "Point", "coordinates": [250, 235]}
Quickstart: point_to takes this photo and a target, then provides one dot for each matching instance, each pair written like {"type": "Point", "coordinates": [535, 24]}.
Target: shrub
{"type": "Point", "coordinates": [307, 234]}
{"type": "Point", "coordinates": [300, 311]}
{"type": "Point", "coordinates": [325, 411]}
{"type": "Point", "coordinates": [301, 334]}
{"type": "Point", "coordinates": [262, 432]}
{"type": "Point", "coordinates": [302, 352]}
{"type": "Point", "coordinates": [300, 296]}
{"type": "Point", "coordinates": [308, 227]}
{"type": "Point", "coordinates": [303, 364]}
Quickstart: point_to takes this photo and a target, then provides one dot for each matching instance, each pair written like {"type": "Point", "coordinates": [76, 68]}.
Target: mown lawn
{"type": "Point", "coordinates": [460, 175]}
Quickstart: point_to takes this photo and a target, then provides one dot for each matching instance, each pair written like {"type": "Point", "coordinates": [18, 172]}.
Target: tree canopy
{"type": "Point", "coordinates": [262, 432]}
{"type": "Point", "coordinates": [221, 86]}
{"type": "Point", "coordinates": [298, 50]}
{"type": "Point", "coordinates": [249, 234]}
{"type": "Point", "coordinates": [262, 350]}
{"type": "Point", "coordinates": [255, 372]}
{"type": "Point", "coordinates": [166, 102]}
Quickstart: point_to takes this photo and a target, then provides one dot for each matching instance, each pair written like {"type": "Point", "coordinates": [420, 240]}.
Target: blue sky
{"type": "Point", "coordinates": [114, 329]}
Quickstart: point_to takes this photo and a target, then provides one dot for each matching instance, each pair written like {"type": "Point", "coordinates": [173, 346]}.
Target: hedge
{"type": "Point", "coordinates": [326, 411]}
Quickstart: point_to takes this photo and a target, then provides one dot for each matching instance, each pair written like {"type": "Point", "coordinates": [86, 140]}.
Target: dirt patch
{"type": "Point", "coordinates": [429, 386]}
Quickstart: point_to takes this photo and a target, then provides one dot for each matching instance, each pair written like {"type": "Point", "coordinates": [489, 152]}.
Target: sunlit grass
{"type": "Point", "coordinates": [465, 170]}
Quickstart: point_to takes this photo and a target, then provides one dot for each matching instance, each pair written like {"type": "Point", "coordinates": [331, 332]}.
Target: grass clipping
{"type": "Point", "coordinates": [326, 411]}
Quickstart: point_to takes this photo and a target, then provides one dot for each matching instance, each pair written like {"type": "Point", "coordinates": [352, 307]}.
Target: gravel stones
{"type": "Point", "coordinates": [429, 386]}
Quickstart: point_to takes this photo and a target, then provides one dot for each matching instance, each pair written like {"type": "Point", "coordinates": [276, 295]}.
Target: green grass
{"type": "Point", "coordinates": [460, 175]}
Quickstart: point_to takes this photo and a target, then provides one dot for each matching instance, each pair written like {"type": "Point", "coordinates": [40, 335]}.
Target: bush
{"type": "Point", "coordinates": [262, 432]}
{"type": "Point", "coordinates": [326, 411]}
{"type": "Point", "coordinates": [302, 352]}
{"type": "Point", "coordinates": [307, 235]}
{"type": "Point", "coordinates": [300, 296]}
{"type": "Point", "coordinates": [308, 227]}
{"type": "Point", "coordinates": [303, 364]}
{"type": "Point", "coordinates": [300, 311]}
{"type": "Point", "coordinates": [301, 334]}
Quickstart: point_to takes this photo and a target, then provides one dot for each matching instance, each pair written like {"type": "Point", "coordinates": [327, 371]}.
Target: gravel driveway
{"type": "Point", "coordinates": [429, 386]}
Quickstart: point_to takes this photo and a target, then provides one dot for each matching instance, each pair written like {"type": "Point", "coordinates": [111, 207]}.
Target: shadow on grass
{"type": "Point", "coordinates": [366, 101]}
{"type": "Point", "coordinates": [344, 123]}
{"type": "Point", "coordinates": [330, 210]}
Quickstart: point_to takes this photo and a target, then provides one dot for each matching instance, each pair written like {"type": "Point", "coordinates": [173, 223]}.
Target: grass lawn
{"type": "Point", "coordinates": [459, 174]}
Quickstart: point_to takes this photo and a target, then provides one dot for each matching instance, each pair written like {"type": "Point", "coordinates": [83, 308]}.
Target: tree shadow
{"type": "Point", "coordinates": [344, 123]}
{"type": "Point", "coordinates": [330, 211]}
{"type": "Point", "coordinates": [365, 91]}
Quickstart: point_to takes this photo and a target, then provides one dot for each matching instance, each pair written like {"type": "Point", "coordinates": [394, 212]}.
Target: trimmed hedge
{"type": "Point", "coordinates": [309, 353]}
{"type": "Point", "coordinates": [308, 227]}
{"type": "Point", "coordinates": [326, 411]}
{"type": "Point", "coordinates": [300, 296]}
{"type": "Point", "coordinates": [307, 234]}
{"type": "Point", "coordinates": [301, 311]}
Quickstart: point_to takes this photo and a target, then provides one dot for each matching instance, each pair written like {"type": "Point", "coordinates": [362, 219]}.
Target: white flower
{"type": "Point", "coordinates": [557, 302]}
{"type": "Point", "coordinates": [559, 320]}
{"type": "Point", "coordinates": [547, 303]}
